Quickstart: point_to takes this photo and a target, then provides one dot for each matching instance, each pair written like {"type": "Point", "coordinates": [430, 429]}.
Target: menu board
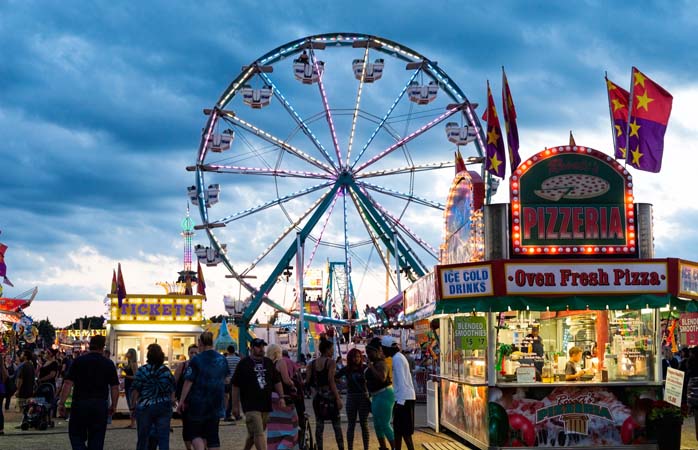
{"type": "Point", "coordinates": [470, 332]}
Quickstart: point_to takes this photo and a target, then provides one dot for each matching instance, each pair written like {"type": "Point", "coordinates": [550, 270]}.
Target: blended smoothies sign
{"type": "Point", "coordinates": [572, 201]}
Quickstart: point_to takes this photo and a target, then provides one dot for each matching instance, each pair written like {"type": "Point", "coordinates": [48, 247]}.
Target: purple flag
{"type": "Point", "coordinates": [495, 152]}
{"type": "Point", "coordinates": [649, 115]}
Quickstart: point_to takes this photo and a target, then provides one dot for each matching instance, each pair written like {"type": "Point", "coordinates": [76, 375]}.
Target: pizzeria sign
{"type": "Point", "coordinates": [572, 200]}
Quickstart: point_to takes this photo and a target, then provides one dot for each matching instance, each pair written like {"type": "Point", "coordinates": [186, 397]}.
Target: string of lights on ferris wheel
{"type": "Point", "coordinates": [326, 106]}
{"type": "Point", "coordinates": [297, 118]}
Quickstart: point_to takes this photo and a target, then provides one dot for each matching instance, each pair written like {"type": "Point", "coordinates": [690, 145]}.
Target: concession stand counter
{"type": "Point", "coordinates": [552, 337]}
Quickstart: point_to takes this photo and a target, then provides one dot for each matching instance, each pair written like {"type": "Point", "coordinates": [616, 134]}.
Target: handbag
{"type": "Point", "coordinates": [325, 405]}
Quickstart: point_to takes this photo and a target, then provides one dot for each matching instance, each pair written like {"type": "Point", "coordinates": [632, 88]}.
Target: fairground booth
{"type": "Point", "coordinates": [549, 307]}
{"type": "Point", "coordinates": [174, 321]}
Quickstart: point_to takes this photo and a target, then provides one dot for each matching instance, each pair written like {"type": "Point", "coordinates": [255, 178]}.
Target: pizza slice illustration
{"type": "Point", "coordinates": [573, 187]}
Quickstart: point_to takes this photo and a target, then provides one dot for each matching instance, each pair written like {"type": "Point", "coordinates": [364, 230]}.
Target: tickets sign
{"type": "Point", "coordinates": [572, 200]}
{"type": "Point", "coordinates": [579, 277]}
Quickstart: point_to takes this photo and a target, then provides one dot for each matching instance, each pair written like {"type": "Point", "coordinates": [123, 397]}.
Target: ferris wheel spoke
{"type": "Point", "coordinates": [385, 117]}
{"type": "Point", "coordinates": [301, 123]}
{"type": "Point", "coordinates": [371, 228]}
{"type": "Point", "coordinates": [318, 210]}
{"type": "Point", "coordinates": [288, 229]}
{"type": "Point", "coordinates": [405, 253]}
{"type": "Point", "coordinates": [326, 105]}
{"type": "Point", "coordinates": [449, 112]}
{"type": "Point", "coordinates": [237, 121]}
{"type": "Point", "coordinates": [347, 262]}
{"type": "Point", "coordinates": [358, 103]}
{"type": "Point", "coordinates": [402, 195]}
{"type": "Point", "coordinates": [408, 169]}
{"type": "Point", "coordinates": [322, 232]}
{"type": "Point", "coordinates": [240, 170]}
{"type": "Point", "coordinates": [398, 223]}
{"type": "Point", "coordinates": [269, 204]}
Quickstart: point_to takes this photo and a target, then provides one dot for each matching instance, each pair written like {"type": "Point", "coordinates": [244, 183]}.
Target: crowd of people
{"type": "Point", "coordinates": [266, 387]}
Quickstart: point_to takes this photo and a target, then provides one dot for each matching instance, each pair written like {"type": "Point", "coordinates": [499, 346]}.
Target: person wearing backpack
{"type": "Point", "coordinates": [153, 394]}
{"type": "Point", "coordinates": [327, 402]}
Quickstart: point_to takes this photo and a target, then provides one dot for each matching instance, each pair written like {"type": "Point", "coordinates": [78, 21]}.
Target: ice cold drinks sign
{"type": "Point", "coordinates": [470, 281]}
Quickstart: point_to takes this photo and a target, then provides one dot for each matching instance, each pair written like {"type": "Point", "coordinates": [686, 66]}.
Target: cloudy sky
{"type": "Point", "coordinates": [101, 111]}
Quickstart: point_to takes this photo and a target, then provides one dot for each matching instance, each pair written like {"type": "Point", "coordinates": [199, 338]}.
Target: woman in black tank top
{"type": "Point", "coordinates": [327, 402]}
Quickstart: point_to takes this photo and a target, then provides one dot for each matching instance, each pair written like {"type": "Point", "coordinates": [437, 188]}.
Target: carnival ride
{"type": "Point", "coordinates": [324, 141]}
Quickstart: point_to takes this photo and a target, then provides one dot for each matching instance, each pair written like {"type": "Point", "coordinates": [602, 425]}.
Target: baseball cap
{"type": "Point", "coordinates": [388, 341]}
{"type": "Point", "coordinates": [257, 342]}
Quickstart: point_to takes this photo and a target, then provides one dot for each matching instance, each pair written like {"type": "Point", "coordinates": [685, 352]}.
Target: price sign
{"type": "Point", "coordinates": [526, 375]}
{"type": "Point", "coordinates": [470, 332]}
{"type": "Point", "coordinates": [674, 386]}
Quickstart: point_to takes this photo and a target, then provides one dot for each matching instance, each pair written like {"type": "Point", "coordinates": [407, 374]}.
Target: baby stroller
{"type": "Point", "coordinates": [37, 410]}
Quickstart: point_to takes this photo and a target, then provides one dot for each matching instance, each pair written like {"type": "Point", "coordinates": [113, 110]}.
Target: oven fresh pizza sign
{"type": "Point", "coordinates": [572, 200]}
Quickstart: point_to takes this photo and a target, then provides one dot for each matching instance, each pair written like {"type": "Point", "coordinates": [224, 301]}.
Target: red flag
{"type": "Point", "coordinates": [510, 124]}
{"type": "Point", "coordinates": [496, 154]}
{"type": "Point", "coordinates": [618, 99]}
{"type": "Point", "coordinates": [201, 284]}
{"type": "Point", "coordinates": [460, 164]}
{"type": "Point", "coordinates": [113, 282]}
{"type": "Point", "coordinates": [649, 115]}
{"type": "Point", "coordinates": [120, 286]}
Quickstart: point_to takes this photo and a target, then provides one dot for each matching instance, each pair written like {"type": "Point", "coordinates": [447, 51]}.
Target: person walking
{"type": "Point", "coordinates": [232, 359]}
{"type": "Point", "coordinates": [380, 387]}
{"type": "Point", "coordinates": [282, 428]}
{"type": "Point", "coordinates": [10, 386]}
{"type": "Point", "coordinates": [92, 378]}
{"type": "Point", "coordinates": [192, 351]}
{"type": "Point", "coordinates": [254, 379]}
{"type": "Point", "coordinates": [405, 396]}
{"type": "Point", "coordinates": [25, 378]}
{"type": "Point", "coordinates": [129, 372]}
{"type": "Point", "coordinates": [203, 394]}
{"type": "Point", "coordinates": [358, 401]}
{"type": "Point", "coordinates": [4, 380]}
{"type": "Point", "coordinates": [297, 377]}
{"type": "Point", "coordinates": [327, 402]}
{"type": "Point", "coordinates": [153, 395]}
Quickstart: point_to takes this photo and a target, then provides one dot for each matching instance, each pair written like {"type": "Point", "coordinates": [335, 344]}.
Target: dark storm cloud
{"type": "Point", "coordinates": [101, 102]}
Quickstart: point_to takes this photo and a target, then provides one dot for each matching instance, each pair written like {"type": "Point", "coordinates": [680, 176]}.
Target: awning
{"type": "Point", "coordinates": [561, 303]}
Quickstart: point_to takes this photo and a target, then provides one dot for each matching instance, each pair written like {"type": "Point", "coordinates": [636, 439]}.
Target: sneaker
{"type": "Point", "coordinates": [228, 419]}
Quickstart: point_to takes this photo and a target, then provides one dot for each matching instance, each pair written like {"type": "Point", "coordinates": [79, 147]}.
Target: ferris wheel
{"type": "Point", "coordinates": [341, 142]}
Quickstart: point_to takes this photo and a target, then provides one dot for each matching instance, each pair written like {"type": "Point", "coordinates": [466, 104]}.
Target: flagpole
{"type": "Point", "coordinates": [630, 112]}
{"type": "Point", "coordinates": [610, 114]}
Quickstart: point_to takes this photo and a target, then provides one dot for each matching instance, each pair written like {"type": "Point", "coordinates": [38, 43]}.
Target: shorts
{"type": "Point", "coordinates": [186, 428]}
{"type": "Point", "coordinates": [403, 418]}
{"type": "Point", "coordinates": [205, 429]}
{"type": "Point", "coordinates": [256, 422]}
